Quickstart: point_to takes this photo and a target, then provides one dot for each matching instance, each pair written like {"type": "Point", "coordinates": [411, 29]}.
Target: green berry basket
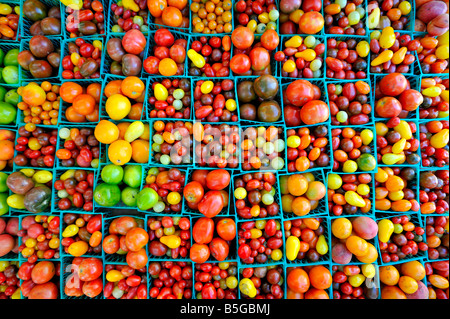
{"type": "Point", "coordinates": [146, 170]}
{"type": "Point", "coordinates": [168, 255]}
{"type": "Point", "coordinates": [11, 256]}
{"type": "Point", "coordinates": [362, 18]}
{"type": "Point", "coordinates": [150, 47]}
{"type": "Point", "coordinates": [323, 259]}
{"type": "Point", "coordinates": [281, 283]}
{"type": "Point", "coordinates": [421, 189]}
{"type": "Point", "coordinates": [276, 200]}
{"type": "Point", "coordinates": [269, 260]}
{"type": "Point", "coordinates": [68, 277]}
{"type": "Point", "coordinates": [321, 210]}
{"type": "Point", "coordinates": [5, 47]}
{"type": "Point", "coordinates": [13, 4]}
{"type": "Point", "coordinates": [371, 198]}
{"type": "Point", "coordinates": [199, 164]}
{"type": "Point", "coordinates": [192, 27]}
{"type": "Point", "coordinates": [317, 75]}
{"type": "Point", "coordinates": [65, 52]}
{"type": "Point", "coordinates": [443, 76]}
{"type": "Point", "coordinates": [226, 210]}
{"type": "Point", "coordinates": [418, 222]}
{"type": "Point", "coordinates": [151, 80]}
{"type": "Point", "coordinates": [187, 162]}
{"type": "Point", "coordinates": [441, 258]}
{"type": "Point", "coordinates": [63, 227]}
{"type": "Point", "coordinates": [25, 75]}
{"type": "Point", "coordinates": [56, 194]}
{"type": "Point", "coordinates": [269, 167]}
{"type": "Point", "coordinates": [112, 21]}
{"type": "Point", "coordinates": [150, 283]}
{"type": "Point", "coordinates": [66, 19]}
{"type": "Point", "coordinates": [27, 23]}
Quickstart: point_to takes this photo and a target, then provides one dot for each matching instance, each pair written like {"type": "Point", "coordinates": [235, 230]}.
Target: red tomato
{"type": "Point", "coordinates": [123, 225]}
{"type": "Point", "coordinates": [218, 179]}
{"type": "Point", "coordinates": [393, 84]}
{"type": "Point", "coordinates": [44, 291]}
{"type": "Point", "coordinates": [90, 269]}
{"type": "Point", "coordinates": [193, 192]}
{"type": "Point", "coordinates": [137, 259]}
{"type": "Point", "coordinates": [311, 5]}
{"type": "Point", "coordinates": [270, 39]}
{"type": "Point", "coordinates": [209, 291]}
{"type": "Point", "coordinates": [93, 288]}
{"type": "Point", "coordinates": [199, 175]}
{"type": "Point", "coordinates": [111, 244]}
{"type": "Point", "coordinates": [388, 107]}
{"type": "Point", "coordinates": [164, 37]}
{"type": "Point", "coordinates": [240, 63]}
{"type": "Point", "coordinates": [314, 112]}
{"type": "Point", "coordinates": [410, 99]}
{"type": "Point", "coordinates": [151, 65]}
{"type": "Point", "coordinates": [199, 253]}
{"type": "Point", "coordinates": [242, 37]}
{"type": "Point", "coordinates": [136, 238]}
{"type": "Point", "coordinates": [94, 224]}
{"type": "Point", "coordinates": [134, 41]}
{"type": "Point", "coordinates": [226, 229]}
{"type": "Point", "coordinates": [203, 230]}
{"type": "Point", "coordinates": [211, 204]}
{"type": "Point", "coordinates": [299, 92]}
{"type": "Point", "coordinates": [219, 249]}
{"type": "Point", "coordinates": [260, 58]}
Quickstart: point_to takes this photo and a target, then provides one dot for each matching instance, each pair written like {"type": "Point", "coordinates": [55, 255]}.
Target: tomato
{"type": "Point", "coordinates": [298, 280]}
{"type": "Point", "coordinates": [200, 176]}
{"type": "Point", "coordinates": [299, 92]}
{"type": "Point", "coordinates": [136, 238]}
{"type": "Point", "coordinates": [270, 39]}
{"type": "Point", "coordinates": [314, 112]}
{"type": "Point", "coordinates": [90, 269]}
{"type": "Point", "coordinates": [43, 272]}
{"type": "Point", "coordinates": [242, 37]}
{"type": "Point", "coordinates": [44, 291]}
{"type": "Point", "coordinates": [393, 84]}
{"type": "Point", "coordinates": [94, 224]}
{"type": "Point", "coordinates": [260, 58]}
{"type": "Point", "coordinates": [164, 37]}
{"type": "Point", "coordinates": [123, 225]}
{"type": "Point", "coordinates": [111, 244]}
{"type": "Point", "coordinates": [75, 291]}
{"type": "Point", "coordinates": [226, 229]}
{"type": "Point", "coordinates": [209, 291]}
{"type": "Point", "coordinates": [218, 179]}
{"type": "Point", "coordinates": [137, 259]}
{"type": "Point", "coordinates": [203, 230]}
{"type": "Point", "coordinates": [388, 107]}
{"type": "Point", "coordinates": [199, 253]}
{"type": "Point", "coordinates": [219, 249]}
{"type": "Point", "coordinates": [93, 288]}
{"type": "Point", "coordinates": [311, 5]}
{"type": "Point", "coordinates": [25, 269]}
{"type": "Point", "coordinates": [240, 63]}
{"type": "Point", "coordinates": [156, 7]}
{"type": "Point", "coordinates": [151, 65]}
{"type": "Point", "coordinates": [134, 41]}
{"type": "Point", "coordinates": [193, 192]}
{"type": "Point", "coordinates": [211, 204]}
{"type": "Point", "coordinates": [410, 99]}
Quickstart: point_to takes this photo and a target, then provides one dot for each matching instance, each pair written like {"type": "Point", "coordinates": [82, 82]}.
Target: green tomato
{"type": "Point", "coordinates": [10, 74]}
{"type": "Point", "coordinates": [2, 93]}
{"type": "Point", "coordinates": [147, 198]}
{"type": "Point", "coordinates": [267, 199]}
{"type": "Point", "coordinates": [2, 56]}
{"type": "Point", "coordinates": [12, 97]}
{"type": "Point", "coordinates": [132, 175]}
{"type": "Point", "coordinates": [7, 113]}
{"type": "Point", "coordinates": [3, 186]}
{"type": "Point", "coordinates": [107, 194]}
{"type": "Point", "coordinates": [112, 174]}
{"type": "Point", "coordinates": [11, 57]}
{"type": "Point", "coordinates": [129, 196]}
{"type": "Point", "coordinates": [4, 207]}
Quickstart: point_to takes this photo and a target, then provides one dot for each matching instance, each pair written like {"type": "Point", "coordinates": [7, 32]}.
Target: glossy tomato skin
{"type": "Point", "coordinates": [299, 92]}
{"type": "Point", "coordinates": [242, 37]}
{"type": "Point", "coordinates": [164, 37]}
{"type": "Point", "coordinates": [209, 291]}
{"type": "Point", "coordinates": [226, 229]}
{"type": "Point", "coordinates": [218, 179]}
{"type": "Point", "coordinates": [137, 259]}
{"type": "Point", "coordinates": [211, 204]}
{"type": "Point", "coordinates": [203, 230]}
{"type": "Point", "coordinates": [151, 65]}
{"type": "Point", "coordinates": [134, 42]}
{"type": "Point", "coordinates": [193, 192]}
{"type": "Point", "coordinates": [219, 249]}
{"type": "Point", "coordinates": [240, 63]}
{"type": "Point", "coordinates": [393, 84]}
{"type": "Point", "coordinates": [90, 269]}
{"type": "Point", "coordinates": [44, 291]}
{"type": "Point", "coordinates": [388, 107]}
{"type": "Point", "coordinates": [260, 58]}
{"type": "Point", "coordinates": [136, 238]}
{"type": "Point", "coordinates": [43, 272]}
{"type": "Point", "coordinates": [199, 253]}
{"type": "Point", "coordinates": [111, 244]}
{"type": "Point", "coordinates": [199, 175]}
{"type": "Point", "coordinates": [410, 99]}
{"type": "Point", "coordinates": [123, 225]}
{"type": "Point", "coordinates": [93, 288]}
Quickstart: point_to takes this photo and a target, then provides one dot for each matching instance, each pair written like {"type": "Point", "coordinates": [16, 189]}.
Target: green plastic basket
{"type": "Point", "coordinates": [433, 167]}
{"type": "Point", "coordinates": [6, 46]}
{"type": "Point", "coordinates": [11, 256]}
{"type": "Point", "coordinates": [363, 19]}
{"type": "Point", "coordinates": [370, 213]}
{"type": "Point", "coordinates": [27, 23]}
{"type": "Point", "coordinates": [65, 15]}
{"type": "Point", "coordinates": [443, 76]}
{"type": "Point", "coordinates": [424, 220]}
{"type": "Point", "coordinates": [276, 265]}
{"type": "Point", "coordinates": [26, 75]}
{"type": "Point", "coordinates": [151, 44]}
{"type": "Point", "coordinates": [418, 222]}
{"type": "Point", "coordinates": [68, 272]}
{"type": "Point", "coordinates": [111, 18]}
{"type": "Point", "coordinates": [65, 52]}
{"type": "Point", "coordinates": [75, 210]}
{"type": "Point", "coordinates": [322, 208]}
{"type": "Point", "coordinates": [152, 160]}
{"type": "Point", "coordinates": [197, 159]}
{"type": "Point", "coordinates": [19, 31]}
{"type": "Point", "coordinates": [145, 170]}
{"type": "Point", "coordinates": [153, 79]}
{"type": "Point", "coordinates": [283, 39]}
{"type": "Point", "coordinates": [420, 189]}
{"type": "Point", "coordinates": [268, 168]}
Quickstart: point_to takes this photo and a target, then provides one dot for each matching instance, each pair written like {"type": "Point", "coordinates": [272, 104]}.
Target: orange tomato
{"type": "Point", "coordinates": [320, 277]}
{"type": "Point", "coordinates": [6, 150]}
{"type": "Point", "coordinates": [298, 280]}
{"type": "Point", "coordinates": [84, 104]}
{"type": "Point", "coordinates": [172, 17]}
{"type": "Point", "coordinates": [136, 238]}
{"type": "Point", "coordinates": [69, 91]}
{"type": "Point", "coordinates": [74, 116]}
{"type": "Point", "coordinates": [156, 7]}
{"type": "Point", "coordinates": [136, 111]}
{"type": "Point", "coordinates": [113, 87]}
{"type": "Point", "coordinates": [140, 151]}
{"type": "Point", "coordinates": [106, 132]}
{"type": "Point", "coordinates": [199, 253]}
{"type": "Point", "coordinates": [94, 90]}
{"type": "Point", "coordinates": [132, 87]}
{"type": "Point", "coordinates": [119, 152]}
{"type": "Point", "coordinates": [316, 294]}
